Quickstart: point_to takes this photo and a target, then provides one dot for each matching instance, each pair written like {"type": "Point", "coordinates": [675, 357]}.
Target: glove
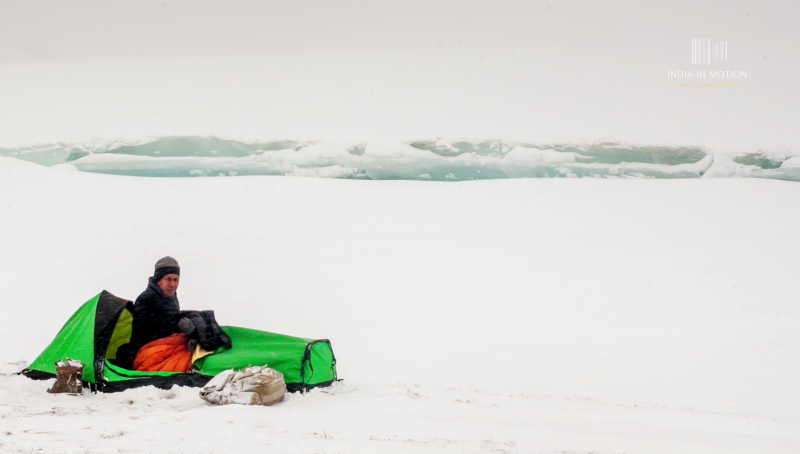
{"type": "Point", "coordinates": [187, 326]}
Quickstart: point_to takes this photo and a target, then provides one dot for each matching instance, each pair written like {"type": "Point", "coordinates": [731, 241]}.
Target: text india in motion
{"type": "Point", "coordinates": [717, 74]}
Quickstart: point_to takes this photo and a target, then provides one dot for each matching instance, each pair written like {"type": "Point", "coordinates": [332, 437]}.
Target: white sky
{"type": "Point", "coordinates": [368, 70]}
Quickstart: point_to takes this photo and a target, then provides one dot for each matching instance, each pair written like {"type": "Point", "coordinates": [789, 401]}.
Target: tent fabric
{"type": "Point", "coordinates": [107, 315]}
{"type": "Point", "coordinates": [303, 362]}
{"type": "Point", "coordinates": [119, 379]}
{"type": "Point", "coordinates": [84, 337]}
{"type": "Point", "coordinates": [75, 340]}
{"type": "Point", "coordinates": [121, 334]}
{"type": "Point", "coordinates": [170, 354]}
{"type": "Point", "coordinates": [102, 325]}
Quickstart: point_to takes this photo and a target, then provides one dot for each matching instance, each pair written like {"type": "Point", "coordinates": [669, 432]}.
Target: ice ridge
{"type": "Point", "coordinates": [433, 160]}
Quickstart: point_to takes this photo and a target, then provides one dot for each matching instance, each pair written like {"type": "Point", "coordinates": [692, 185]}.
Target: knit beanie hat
{"type": "Point", "coordinates": [166, 265]}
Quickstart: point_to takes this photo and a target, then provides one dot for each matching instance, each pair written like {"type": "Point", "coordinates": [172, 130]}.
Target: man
{"type": "Point", "coordinates": [156, 312]}
{"type": "Point", "coordinates": [163, 337]}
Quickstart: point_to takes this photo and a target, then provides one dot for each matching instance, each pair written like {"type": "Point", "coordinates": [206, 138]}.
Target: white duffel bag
{"type": "Point", "coordinates": [250, 386]}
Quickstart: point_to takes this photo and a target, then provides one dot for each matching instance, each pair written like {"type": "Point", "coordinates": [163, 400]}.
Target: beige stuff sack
{"type": "Point", "coordinates": [250, 386]}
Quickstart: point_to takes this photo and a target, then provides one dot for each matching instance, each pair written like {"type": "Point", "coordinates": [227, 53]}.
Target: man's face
{"type": "Point", "coordinates": [169, 284]}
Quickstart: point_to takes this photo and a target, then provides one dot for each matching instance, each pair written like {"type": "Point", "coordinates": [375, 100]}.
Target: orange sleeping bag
{"type": "Point", "coordinates": [170, 354]}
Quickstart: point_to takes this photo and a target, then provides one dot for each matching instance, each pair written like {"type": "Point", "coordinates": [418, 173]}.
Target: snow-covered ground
{"type": "Point", "coordinates": [467, 316]}
{"type": "Point", "coordinates": [490, 316]}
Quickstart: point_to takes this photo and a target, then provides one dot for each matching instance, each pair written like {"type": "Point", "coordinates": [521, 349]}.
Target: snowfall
{"type": "Point", "coordinates": [531, 315]}
{"type": "Point", "coordinates": [516, 315]}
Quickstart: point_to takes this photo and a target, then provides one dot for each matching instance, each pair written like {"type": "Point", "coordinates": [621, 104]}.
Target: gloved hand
{"type": "Point", "coordinates": [187, 326]}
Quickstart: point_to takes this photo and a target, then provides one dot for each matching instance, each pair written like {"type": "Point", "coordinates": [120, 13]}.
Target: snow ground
{"type": "Point", "coordinates": [492, 316]}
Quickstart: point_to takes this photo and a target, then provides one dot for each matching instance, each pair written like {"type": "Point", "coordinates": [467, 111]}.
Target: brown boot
{"type": "Point", "coordinates": [68, 378]}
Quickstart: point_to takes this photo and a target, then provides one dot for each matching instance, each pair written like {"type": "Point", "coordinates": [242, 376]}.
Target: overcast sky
{"type": "Point", "coordinates": [378, 69]}
{"type": "Point", "coordinates": [37, 30]}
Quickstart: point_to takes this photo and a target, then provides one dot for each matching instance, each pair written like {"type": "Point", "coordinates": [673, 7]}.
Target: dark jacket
{"type": "Point", "coordinates": [155, 316]}
{"type": "Point", "coordinates": [202, 327]}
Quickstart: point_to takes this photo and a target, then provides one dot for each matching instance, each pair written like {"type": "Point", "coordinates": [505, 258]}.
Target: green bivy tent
{"type": "Point", "coordinates": [104, 323]}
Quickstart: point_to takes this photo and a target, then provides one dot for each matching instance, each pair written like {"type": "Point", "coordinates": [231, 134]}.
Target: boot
{"type": "Point", "coordinates": [68, 378]}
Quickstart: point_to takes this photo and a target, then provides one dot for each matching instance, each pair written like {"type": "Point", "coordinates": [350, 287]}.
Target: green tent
{"type": "Point", "coordinates": [104, 323]}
